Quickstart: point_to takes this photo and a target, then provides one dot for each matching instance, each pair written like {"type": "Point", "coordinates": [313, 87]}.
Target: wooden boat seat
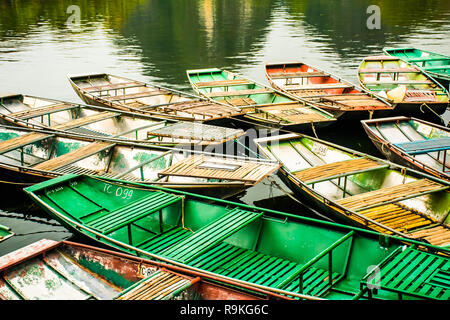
{"type": "Point", "coordinates": [431, 68]}
{"type": "Point", "coordinates": [210, 235]}
{"type": "Point", "coordinates": [216, 168]}
{"type": "Point", "coordinates": [135, 95]}
{"type": "Point", "coordinates": [159, 286]}
{"type": "Point", "coordinates": [380, 58]}
{"type": "Point", "coordinates": [414, 272]}
{"type": "Point", "coordinates": [113, 86]}
{"type": "Point", "coordinates": [240, 102]}
{"type": "Point", "coordinates": [74, 156]}
{"type": "Point", "coordinates": [202, 108]}
{"type": "Point", "coordinates": [324, 86]}
{"type": "Point", "coordinates": [397, 217]}
{"type": "Point", "coordinates": [132, 212]}
{"type": "Point", "coordinates": [238, 92]}
{"type": "Point", "coordinates": [86, 120]}
{"type": "Point", "coordinates": [389, 70]}
{"type": "Point", "coordinates": [438, 235]}
{"type": "Point", "coordinates": [391, 194]}
{"type": "Point", "coordinates": [412, 82]}
{"type": "Point", "coordinates": [20, 141]}
{"type": "Point", "coordinates": [223, 83]}
{"type": "Point", "coordinates": [289, 75]}
{"type": "Point", "coordinates": [337, 169]}
{"type": "Point", "coordinates": [424, 146]}
{"type": "Point", "coordinates": [32, 113]}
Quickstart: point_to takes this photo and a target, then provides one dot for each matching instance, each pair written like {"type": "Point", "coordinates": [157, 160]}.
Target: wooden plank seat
{"type": "Point", "coordinates": [290, 75]}
{"type": "Point", "coordinates": [36, 112]}
{"type": "Point", "coordinates": [260, 268]}
{"type": "Point", "coordinates": [210, 235]}
{"type": "Point", "coordinates": [424, 146]}
{"type": "Point", "coordinates": [86, 120]}
{"type": "Point", "coordinates": [113, 86]}
{"type": "Point", "coordinates": [337, 169]}
{"type": "Point", "coordinates": [216, 168]}
{"type": "Point", "coordinates": [397, 217]}
{"type": "Point", "coordinates": [159, 286]}
{"type": "Point", "coordinates": [414, 273]}
{"type": "Point", "coordinates": [238, 92]}
{"type": "Point", "coordinates": [380, 58]}
{"type": "Point", "coordinates": [74, 156]}
{"type": "Point", "coordinates": [438, 235]}
{"type": "Point", "coordinates": [315, 86]}
{"type": "Point", "coordinates": [223, 83]}
{"type": "Point", "coordinates": [411, 82]}
{"type": "Point", "coordinates": [389, 70]}
{"type": "Point", "coordinates": [135, 95]}
{"type": "Point", "coordinates": [391, 194]}
{"type": "Point", "coordinates": [132, 212]}
{"type": "Point", "coordinates": [21, 141]}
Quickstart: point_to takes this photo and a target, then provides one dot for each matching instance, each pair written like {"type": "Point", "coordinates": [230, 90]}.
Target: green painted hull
{"type": "Point", "coordinates": [435, 64]}
{"type": "Point", "coordinates": [284, 253]}
{"type": "Point", "coordinates": [5, 233]}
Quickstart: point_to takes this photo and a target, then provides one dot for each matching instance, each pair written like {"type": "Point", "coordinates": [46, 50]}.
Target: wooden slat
{"type": "Point", "coordinates": [411, 82]}
{"type": "Point", "coordinates": [17, 142]}
{"type": "Point", "coordinates": [36, 112]}
{"type": "Point", "coordinates": [391, 194]}
{"type": "Point", "coordinates": [73, 156]}
{"type": "Point", "coordinates": [238, 92]}
{"type": "Point", "coordinates": [86, 120]}
{"type": "Point", "coordinates": [330, 170]}
{"type": "Point", "coordinates": [438, 235]}
{"type": "Point", "coordinates": [389, 70]}
{"type": "Point", "coordinates": [288, 75]}
{"type": "Point", "coordinates": [135, 95]}
{"type": "Point", "coordinates": [318, 86]}
{"type": "Point", "coordinates": [223, 83]}
{"type": "Point", "coordinates": [189, 167]}
{"type": "Point", "coordinates": [113, 86]}
{"type": "Point", "coordinates": [156, 287]}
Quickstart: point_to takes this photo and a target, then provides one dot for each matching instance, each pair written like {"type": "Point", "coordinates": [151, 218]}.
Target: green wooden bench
{"type": "Point", "coordinates": [412, 272]}
{"type": "Point", "coordinates": [132, 212]}
{"type": "Point", "coordinates": [210, 235]}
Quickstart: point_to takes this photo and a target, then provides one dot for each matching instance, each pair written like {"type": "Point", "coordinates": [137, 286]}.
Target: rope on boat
{"type": "Point", "coordinates": [314, 130]}
{"type": "Point", "coordinates": [424, 104]}
{"type": "Point", "coordinates": [370, 114]}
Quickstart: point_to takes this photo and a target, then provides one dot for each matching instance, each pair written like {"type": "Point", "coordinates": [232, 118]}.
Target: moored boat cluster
{"type": "Point", "coordinates": [146, 171]}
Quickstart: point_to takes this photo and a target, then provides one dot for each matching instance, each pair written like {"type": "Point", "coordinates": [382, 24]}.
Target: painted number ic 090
{"type": "Point", "coordinates": [123, 193]}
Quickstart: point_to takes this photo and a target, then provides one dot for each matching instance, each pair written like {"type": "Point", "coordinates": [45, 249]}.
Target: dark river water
{"type": "Point", "coordinates": [158, 40]}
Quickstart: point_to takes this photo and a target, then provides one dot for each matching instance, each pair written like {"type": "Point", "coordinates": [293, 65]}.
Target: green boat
{"type": "Point", "coordinates": [5, 233]}
{"type": "Point", "coordinates": [30, 156]}
{"type": "Point", "coordinates": [52, 270]}
{"type": "Point", "coordinates": [264, 106]}
{"type": "Point", "coordinates": [435, 64]}
{"type": "Point", "coordinates": [362, 190]}
{"type": "Point", "coordinates": [283, 253]}
{"type": "Point", "coordinates": [413, 92]}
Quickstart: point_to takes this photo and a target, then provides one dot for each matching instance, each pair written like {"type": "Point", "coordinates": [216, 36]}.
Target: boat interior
{"type": "Point", "coordinates": [391, 200]}
{"type": "Point", "coordinates": [138, 96]}
{"type": "Point", "coordinates": [384, 73]}
{"type": "Point", "coordinates": [428, 144]}
{"type": "Point", "coordinates": [313, 84]}
{"type": "Point", "coordinates": [227, 239]}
